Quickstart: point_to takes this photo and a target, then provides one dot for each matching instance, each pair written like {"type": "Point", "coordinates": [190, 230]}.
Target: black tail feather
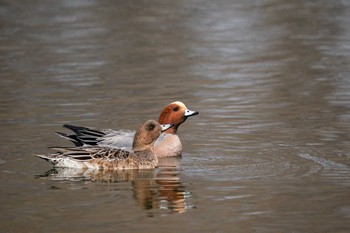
{"type": "Point", "coordinates": [73, 138]}
{"type": "Point", "coordinates": [84, 131]}
{"type": "Point", "coordinates": [83, 136]}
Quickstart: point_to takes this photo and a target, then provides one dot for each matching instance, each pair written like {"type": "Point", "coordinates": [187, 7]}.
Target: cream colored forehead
{"type": "Point", "coordinates": [180, 104]}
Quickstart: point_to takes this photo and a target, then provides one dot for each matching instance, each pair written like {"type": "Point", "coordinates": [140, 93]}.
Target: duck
{"type": "Point", "coordinates": [103, 158]}
{"type": "Point", "coordinates": [167, 145]}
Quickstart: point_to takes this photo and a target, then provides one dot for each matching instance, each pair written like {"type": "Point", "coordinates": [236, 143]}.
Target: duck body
{"type": "Point", "coordinates": [167, 145]}
{"type": "Point", "coordinates": [104, 158]}
{"type": "Point", "coordinates": [98, 158]}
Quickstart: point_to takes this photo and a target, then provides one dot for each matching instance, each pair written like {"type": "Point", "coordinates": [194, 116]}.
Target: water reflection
{"type": "Point", "coordinates": [159, 189]}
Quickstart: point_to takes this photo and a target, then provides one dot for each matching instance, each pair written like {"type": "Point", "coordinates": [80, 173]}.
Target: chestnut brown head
{"type": "Point", "coordinates": [175, 113]}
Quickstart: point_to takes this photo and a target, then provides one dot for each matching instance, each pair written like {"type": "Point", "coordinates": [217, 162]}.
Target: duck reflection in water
{"type": "Point", "coordinates": [165, 191]}
{"type": "Point", "coordinates": [159, 189]}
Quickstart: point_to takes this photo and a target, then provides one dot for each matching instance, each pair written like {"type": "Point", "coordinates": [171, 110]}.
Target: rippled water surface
{"type": "Point", "coordinates": [269, 151]}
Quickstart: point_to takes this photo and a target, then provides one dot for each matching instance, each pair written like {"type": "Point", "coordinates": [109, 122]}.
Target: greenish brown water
{"type": "Point", "coordinates": [269, 151]}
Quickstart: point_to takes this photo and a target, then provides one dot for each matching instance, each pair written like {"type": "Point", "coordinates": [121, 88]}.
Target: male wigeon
{"type": "Point", "coordinates": [103, 158]}
{"type": "Point", "coordinates": [167, 145]}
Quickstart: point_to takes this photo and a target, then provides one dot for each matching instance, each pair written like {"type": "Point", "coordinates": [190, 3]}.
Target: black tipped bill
{"type": "Point", "coordinates": [189, 113]}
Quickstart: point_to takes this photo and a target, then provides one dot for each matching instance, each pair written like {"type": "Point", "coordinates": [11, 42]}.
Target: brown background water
{"type": "Point", "coordinates": [269, 152]}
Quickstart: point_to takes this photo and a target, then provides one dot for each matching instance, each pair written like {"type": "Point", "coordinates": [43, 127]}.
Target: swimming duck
{"type": "Point", "coordinates": [103, 158]}
{"type": "Point", "coordinates": [167, 145]}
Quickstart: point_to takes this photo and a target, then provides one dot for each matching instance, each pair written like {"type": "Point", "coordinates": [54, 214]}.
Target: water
{"type": "Point", "coordinates": [269, 151]}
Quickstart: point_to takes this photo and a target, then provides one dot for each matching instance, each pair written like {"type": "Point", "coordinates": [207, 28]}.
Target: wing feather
{"type": "Point", "coordinates": [93, 152]}
{"type": "Point", "coordinates": [107, 138]}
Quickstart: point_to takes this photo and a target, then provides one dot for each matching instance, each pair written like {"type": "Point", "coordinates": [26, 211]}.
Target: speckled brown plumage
{"type": "Point", "coordinates": [102, 158]}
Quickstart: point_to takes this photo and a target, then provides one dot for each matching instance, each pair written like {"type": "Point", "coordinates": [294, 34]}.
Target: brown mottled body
{"type": "Point", "coordinates": [102, 158]}
{"type": "Point", "coordinates": [136, 160]}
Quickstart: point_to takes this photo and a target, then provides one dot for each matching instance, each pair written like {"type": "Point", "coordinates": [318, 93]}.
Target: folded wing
{"type": "Point", "coordinates": [105, 138]}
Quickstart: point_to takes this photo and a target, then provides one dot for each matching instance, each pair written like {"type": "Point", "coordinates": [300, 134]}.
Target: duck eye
{"type": "Point", "coordinates": [151, 127]}
{"type": "Point", "coordinates": [175, 109]}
